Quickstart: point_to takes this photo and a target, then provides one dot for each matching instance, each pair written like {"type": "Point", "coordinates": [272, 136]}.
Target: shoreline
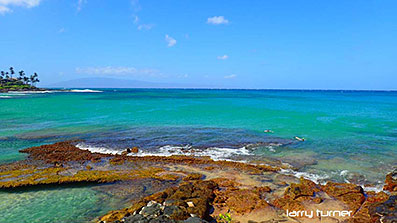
{"type": "Point", "coordinates": [245, 191]}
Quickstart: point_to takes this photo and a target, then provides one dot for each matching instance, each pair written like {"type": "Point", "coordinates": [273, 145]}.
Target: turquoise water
{"type": "Point", "coordinates": [350, 135]}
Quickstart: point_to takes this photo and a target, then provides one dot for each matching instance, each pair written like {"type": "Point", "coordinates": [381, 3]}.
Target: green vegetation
{"type": "Point", "coordinates": [9, 81]}
{"type": "Point", "coordinates": [226, 218]}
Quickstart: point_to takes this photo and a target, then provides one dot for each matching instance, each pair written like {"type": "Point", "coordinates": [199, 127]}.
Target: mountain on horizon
{"type": "Point", "coordinates": [102, 82]}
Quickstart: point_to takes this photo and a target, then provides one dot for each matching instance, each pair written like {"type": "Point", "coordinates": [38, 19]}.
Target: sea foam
{"type": "Point", "coordinates": [85, 91]}
{"type": "Point", "coordinates": [214, 153]}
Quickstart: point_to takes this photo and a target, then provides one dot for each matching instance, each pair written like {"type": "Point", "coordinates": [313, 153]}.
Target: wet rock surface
{"type": "Point", "coordinates": [61, 153]}
{"type": "Point", "coordinates": [198, 189]}
{"type": "Point", "coordinates": [154, 212]}
{"type": "Point", "coordinates": [295, 194]}
{"type": "Point", "coordinates": [387, 211]}
{"type": "Point", "coordinates": [350, 194]}
{"type": "Point", "coordinates": [391, 182]}
{"type": "Point", "coordinates": [171, 205]}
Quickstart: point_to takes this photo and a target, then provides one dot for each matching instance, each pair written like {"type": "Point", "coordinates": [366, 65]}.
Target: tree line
{"type": "Point", "coordinates": [21, 76]}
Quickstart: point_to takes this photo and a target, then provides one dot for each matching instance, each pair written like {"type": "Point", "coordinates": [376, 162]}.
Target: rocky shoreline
{"type": "Point", "coordinates": [23, 90]}
{"type": "Point", "coordinates": [203, 190]}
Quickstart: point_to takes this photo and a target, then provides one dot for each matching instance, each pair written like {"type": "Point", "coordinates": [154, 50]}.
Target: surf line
{"type": "Point", "coordinates": [319, 213]}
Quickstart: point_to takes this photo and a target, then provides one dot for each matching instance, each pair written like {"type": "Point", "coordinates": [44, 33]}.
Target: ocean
{"type": "Point", "coordinates": [350, 136]}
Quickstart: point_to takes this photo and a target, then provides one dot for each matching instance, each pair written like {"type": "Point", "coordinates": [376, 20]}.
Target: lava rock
{"type": "Point", "coordinates": [195, 220]}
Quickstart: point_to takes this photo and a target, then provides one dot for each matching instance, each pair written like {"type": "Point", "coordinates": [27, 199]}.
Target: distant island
{"type": "Point", "coordinates": [10, 81]}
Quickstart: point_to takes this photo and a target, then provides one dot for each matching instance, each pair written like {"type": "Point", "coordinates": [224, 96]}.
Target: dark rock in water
{"type": "Point", "coordinates": [162, 219]}
{"type": "Point", "coordinates": [356, 178]}
{"type": "Point", "coordinates": [169, 202]}
{"type": "Point", "coordinates": [155, 212]}
{"type": "Point", "coordinates": [152, 210]}
{"type": "Point", "coordinates": [173, 211]}
{"type": "Point", "coordinates": [195, 220]}
{"type": "Point", "coordinates": [135, 218]}
{"type": "Point", "coordinates": [387, 210]}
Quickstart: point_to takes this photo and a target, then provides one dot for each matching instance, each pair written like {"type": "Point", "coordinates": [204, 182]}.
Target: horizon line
{"type": "Point", "coordinates": [207, 88]}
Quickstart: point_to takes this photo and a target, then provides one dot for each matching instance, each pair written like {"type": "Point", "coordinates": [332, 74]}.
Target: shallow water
{"type": "Point", "coordinates": [348, 133]}
{"type": "Point", "coordinates": [79, 204]}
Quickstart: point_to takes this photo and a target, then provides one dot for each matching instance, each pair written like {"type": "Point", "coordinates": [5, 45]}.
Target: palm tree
{"type": "Point", "coordinates": [31, 79]}
{"type": "Point", "coordinates": [21, 75]}
{"type": "Point", "coordinates": [26, 80]}
{"type": "Point", "coordinates": [2, 74]}
{"type": "Point", "coordinates": [7, 76]}
{"type": "Point", "coordinates": [34, 78]}
{"type": "Point", "coordinates": [12, 72]}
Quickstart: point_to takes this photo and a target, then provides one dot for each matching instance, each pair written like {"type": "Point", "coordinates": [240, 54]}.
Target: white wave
{"type": "Point", "coordinates": [5, 96]}
{"type": "Point", "coordinates": [377, 188]}
{"type": "Point", "coordinates": [85, 91]}
{"type": "Point", "coordinates": [95, 149]}
{"type": "Point", "coordinates": [344, 174]}
{"type": "Point", "coordinates": [214, 153]}
{"type": "Point", "coordinates": [271, 149]}
{"type": "Point", "coordinates": [316, 178]}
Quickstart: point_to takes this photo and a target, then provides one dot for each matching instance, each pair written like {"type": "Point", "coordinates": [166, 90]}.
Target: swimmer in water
{"type": "Point", "coordinates": [299, 139]}
{"type": "Point", "coordinates": [268, 131]}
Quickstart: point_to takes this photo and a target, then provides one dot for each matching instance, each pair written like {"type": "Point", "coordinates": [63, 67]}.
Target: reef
{"type": "Point", "coordinates": [199, 189]}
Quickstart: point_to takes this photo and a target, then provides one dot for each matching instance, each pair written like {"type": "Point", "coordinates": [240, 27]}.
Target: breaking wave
{"type": "Point", "coordinates": [214, 153]}
{"type": "Point", "coordinates": [85, 91]}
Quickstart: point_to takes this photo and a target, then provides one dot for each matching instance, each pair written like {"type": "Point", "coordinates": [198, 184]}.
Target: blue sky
{"type": "Point", "coordinates": [230, 43]}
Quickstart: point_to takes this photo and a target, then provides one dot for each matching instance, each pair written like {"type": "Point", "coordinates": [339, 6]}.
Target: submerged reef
{"type": "Point", "coordinates": [199, 189]}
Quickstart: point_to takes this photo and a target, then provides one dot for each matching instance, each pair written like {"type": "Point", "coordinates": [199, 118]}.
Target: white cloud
{"type": "Point", "coordinates": [61, 30]}
{"type": "Point", "coordinates": [217, 20]}
{"type": "Point", "coordinates": [5, 5]}
{"type": "Point", "coordinates": [117, 71]}
{"type": "Point", "coordinates": [230, 76]}
{"type": "Point", "coordinates": [183, 76]}
{"type": "Point", "coordinates": [80, 4]}
{"type": "Point", "coordinates": [136, 19]}
{"type": "Point", "coordinates": [145, 26]}
{"type": "Point", "coordinates": [4, 10]}
{"type": "Point", "coordinates": [224, 57]}
{"type": "Point", "coordinates": [135, 5]}
{"type": "Point", "coordinates": [141, 26]}
{"type": "Point", "coordinates": [170, 41]}
{"type": "Point", "coordinates": [23, 3]}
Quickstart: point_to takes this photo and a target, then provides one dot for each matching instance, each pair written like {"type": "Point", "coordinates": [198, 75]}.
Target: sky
{"type": "Point", "coordinates": [269, 44]}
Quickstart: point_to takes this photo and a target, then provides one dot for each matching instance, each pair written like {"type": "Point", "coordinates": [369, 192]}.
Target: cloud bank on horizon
{"type": "Point", "coordinates": [234, 44]}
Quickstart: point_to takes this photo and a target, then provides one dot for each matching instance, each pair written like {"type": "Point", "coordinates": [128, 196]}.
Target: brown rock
{"type": "Point", "coordinates": [391, 182]}
{"type": "Point", "coordinates": [134, 149]}
{"type": "Point", "coordinates": [62, 152]}
{"type": "Point", "coordinates": [295, 194]}
{"type": "Point", "coordinates": [364, 215]}
{"type": "Point", "coordinates": [386, 211]}
{"type": "Point", "coordinates": [242, 200]}
{"type": "Point", "coordinates": [199, 193]}
{"type": "Point", "coordinates": [193, 176]}
{"type": "Point", "coordinates": [350, 194]}
{"type": "Point", "coordinates": [224, 182]}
